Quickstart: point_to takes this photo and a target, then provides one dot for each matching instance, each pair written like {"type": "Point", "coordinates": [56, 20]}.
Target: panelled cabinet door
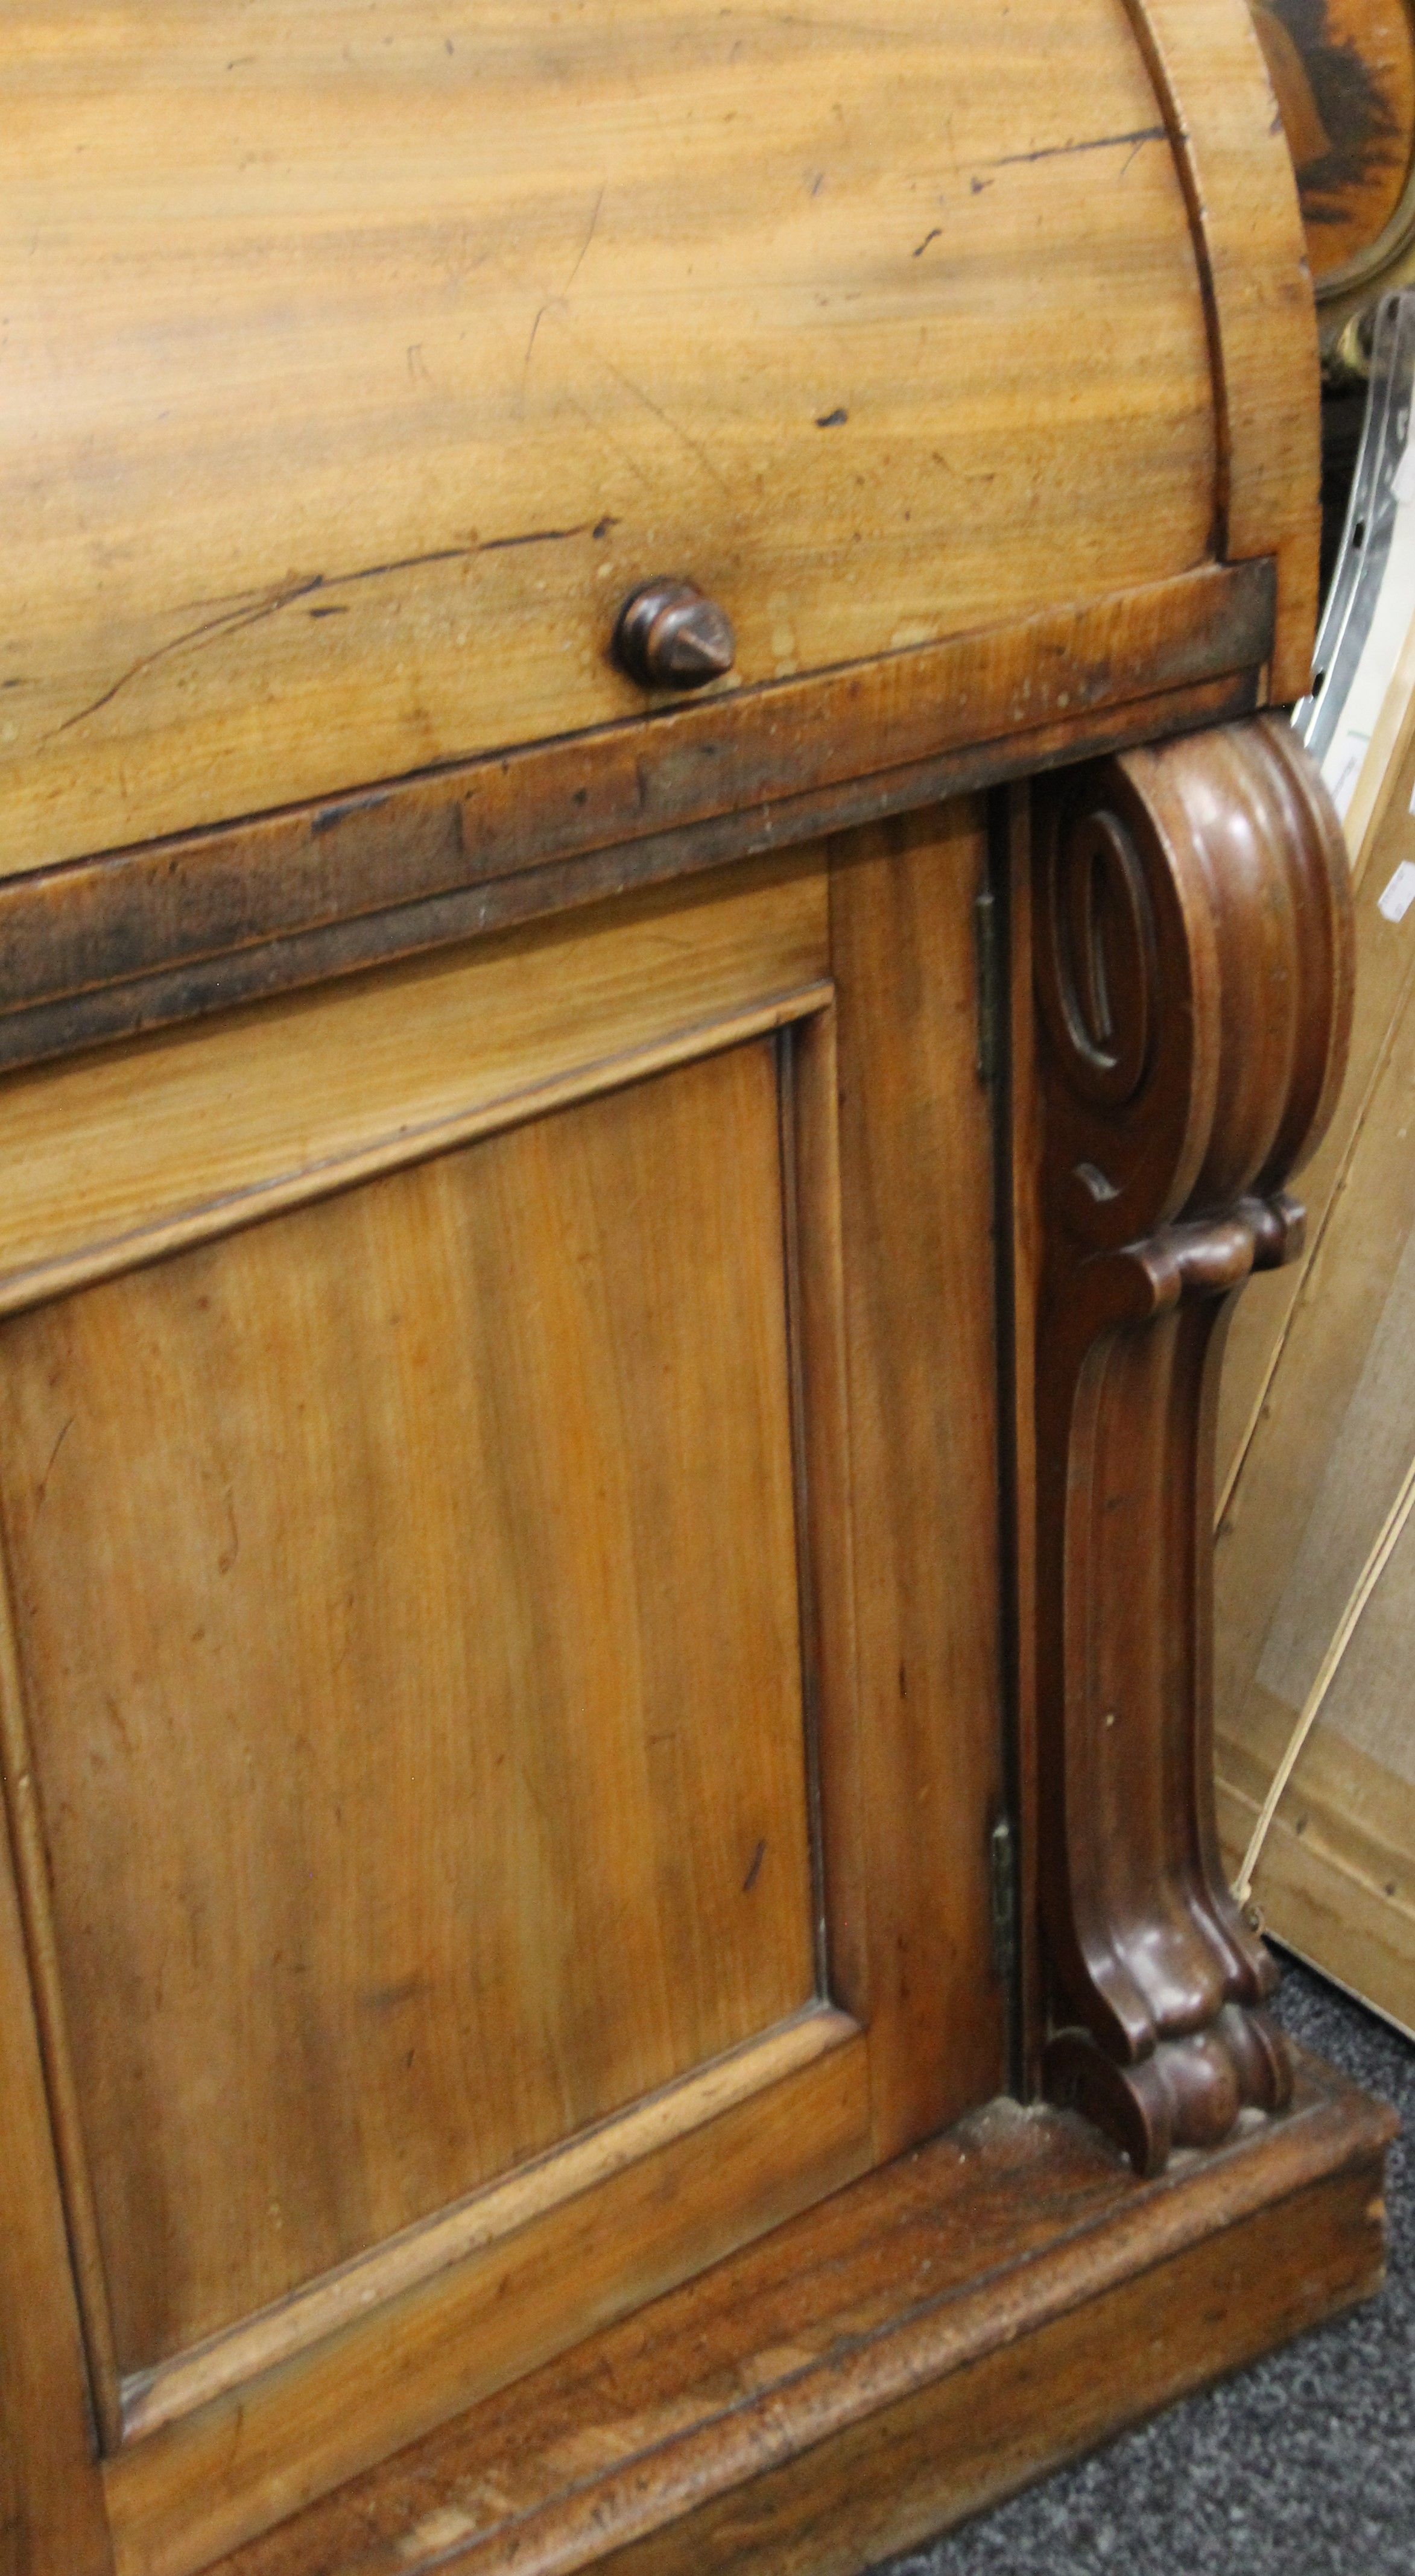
{"type": "Point", "coordinates": [500, 1672]}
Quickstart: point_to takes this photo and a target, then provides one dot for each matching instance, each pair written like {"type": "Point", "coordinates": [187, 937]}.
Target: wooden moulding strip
{"type": "Point", "coordinates": [821, 1430]}
{"type": "Point", "coordinates": [1018, 1185]}
{"type": "Point", "coordinates": [106, 1257]}
{"type": "Point", "coordinates": [213, 2479]}
{"type": "Point", "coordinates": [193, 1134]}
{"type": "Point", "coordinates": [109, 946]}
{"type": "Point", "coordinates": [51, 2496]}
{"type": "Point", "coordinates": [1212, 83]}
{"type": "Point", "coordinates": [380, 938]}
{"type": "Point", "coordinates": [904, 2355]}
{"type": "Point", "coordinates": [485, 2219]}
{"type": "Point", "coordinates": [21, 1795]}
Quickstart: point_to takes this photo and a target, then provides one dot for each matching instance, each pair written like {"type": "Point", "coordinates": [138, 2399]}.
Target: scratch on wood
{"type": "Point", "coordinates": [1096, 143]}
{"type": "Point", "coordinates": [530, 344]}
{"type": "Point", "coordinates": [53, 1454]}
{"type": "Point", "coordinates": [691, 443]}
{"type": "Point", "coordinates": [584, 246]}
{"type": "Point", "coordinates": [331, 815]}
{"type": "Point", "coordinates": [935, 235]}
{"type": "Point", "coordinates": [233, 621]}
{"type": "Point", "coordinates": [758, 1856]}
{"type": "Point", "coordinates": [538, 537]}
{"type": "Point", "coordinates": [230, 623]}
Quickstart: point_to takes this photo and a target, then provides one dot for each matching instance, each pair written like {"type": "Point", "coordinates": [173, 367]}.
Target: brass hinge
{"type": "Point", "coordinates": [1002, 1889]}
{"type": "Point", "coordinates": [989, 985]}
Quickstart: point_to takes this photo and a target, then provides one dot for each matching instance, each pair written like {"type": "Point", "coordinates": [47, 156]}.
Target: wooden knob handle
{"type": "Point", "coordinates": [669, 637]}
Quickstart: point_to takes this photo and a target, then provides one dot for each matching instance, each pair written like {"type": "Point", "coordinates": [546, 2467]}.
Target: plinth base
{"type": "Point", "coordinates": [902, 2356]}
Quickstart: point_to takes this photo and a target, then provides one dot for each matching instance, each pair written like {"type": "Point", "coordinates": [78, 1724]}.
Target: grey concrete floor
{"type": "Point", "coordinates": [1301, 2466]}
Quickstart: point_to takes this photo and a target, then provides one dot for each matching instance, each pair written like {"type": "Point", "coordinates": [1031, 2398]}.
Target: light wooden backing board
{"type": "Point", "coordinates": [364, 360]}
{"type": "Point", "coordinates": [1317, 1431]}
{"type": "Point", "coordinates": [498, 1805]}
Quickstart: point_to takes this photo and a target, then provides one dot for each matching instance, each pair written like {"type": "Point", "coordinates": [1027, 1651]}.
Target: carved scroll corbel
{"type": "Point", "coordinates": [1194, 977]}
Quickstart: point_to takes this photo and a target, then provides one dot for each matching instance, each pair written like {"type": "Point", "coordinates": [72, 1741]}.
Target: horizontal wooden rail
{"type": "Point", "coordinates": [106, 947]}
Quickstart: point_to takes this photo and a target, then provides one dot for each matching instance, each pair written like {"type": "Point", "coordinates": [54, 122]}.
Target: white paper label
{"type": "Point", "coordinates": [1400, 893]}
{"type": "Point", "coordinates": [1342, 768]}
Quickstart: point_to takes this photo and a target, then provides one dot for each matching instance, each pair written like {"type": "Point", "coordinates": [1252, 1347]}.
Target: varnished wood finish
{"type": "Point", "coordinates": [815, 1265]}
{"type": "Point", "coordinates": [410, 346]}
{"type": "Point", "coordinates": [51, 2502]}
{"type": "Point", "coordinates": [872, 2372]}
{"type": "Point", "coordinates": [1193, 947]}
{"type": "Point", "coordinates": [323, 1364]}
{"type": "Point", "coordinates": [1018, 1162]}
{"type": "Point", "coordinates": [148, 936]}
{"type": "Point", "coordinates": [525, 1521]}
{"type": "Point", "coordinates": [1208, 69]}
{"type": "Point", "coordinates": [132, 1153]}
{"type": "Point", "coordinates": [203, 2483]}
{"type": "Point", "coordinates": [550, 1539]}
{"type": "Point", "coordinates": [916, 1193]}
{"type": "Point", "coordinates": [464, 2248]}
{"type": "Point", "coordinates": [1343, 72]}
{"type": "Point", "coordinates": [405, 1320]}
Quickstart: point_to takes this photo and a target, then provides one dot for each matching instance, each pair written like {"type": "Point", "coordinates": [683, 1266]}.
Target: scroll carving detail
{"type": "Point", "coordinates": [1193, 967]}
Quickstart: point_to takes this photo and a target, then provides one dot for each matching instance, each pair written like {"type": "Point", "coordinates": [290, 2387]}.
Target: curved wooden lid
{"type": "Point", "coordinates": [359, 359]}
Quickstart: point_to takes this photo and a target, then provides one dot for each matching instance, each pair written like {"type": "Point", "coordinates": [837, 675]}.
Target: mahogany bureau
{"type": "Point", "coordinates": [657, 972]}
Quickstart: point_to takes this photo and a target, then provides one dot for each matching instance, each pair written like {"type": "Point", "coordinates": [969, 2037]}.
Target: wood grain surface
{"type": "Point", "coordinates": [521, 1417]}
{"type": "Point", "coordinates": [1193, 946]}
{"type": "Point", "coordinates": [1276, 1423]}
{"type": "Point", "coordinates": [165, 932]}
{"type": "Point", "coordinates": [362, 363]}
{"type": "Point", "coordinates": [877, 2369]}
{"type": "Point", "coordinates": [1343, 72]}
{"type": "Point", "coordinates": [1315, 1443]}
{"type": "Point", "coordinates": [203, 2484]}
{"type": "Point", "coordinates": [440, 1617]}
{"type": "Point", "coordinates": [1018, 1147]}
{"type": "Point", "coordinates": [215, 906]}
{"type": "Point", "coordinates": [136, 1150]}
{"type": "Point", "coordinates": [1209, 69]}
{"type": "Point", "coordinates": [52, 2513]}
{"type": "Point", "coordinates": [442, 1853]}
{"type": "Point", "coordinates": [916, 1189]}
{"type": "Point", "coordinates": [1336, 1882]}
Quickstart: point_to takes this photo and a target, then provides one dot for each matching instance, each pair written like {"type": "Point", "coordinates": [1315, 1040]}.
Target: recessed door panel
{"type": "Point", "coordinates": [410, 1636]}
{"type": "Point", "coordinates": [499, 1699]}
